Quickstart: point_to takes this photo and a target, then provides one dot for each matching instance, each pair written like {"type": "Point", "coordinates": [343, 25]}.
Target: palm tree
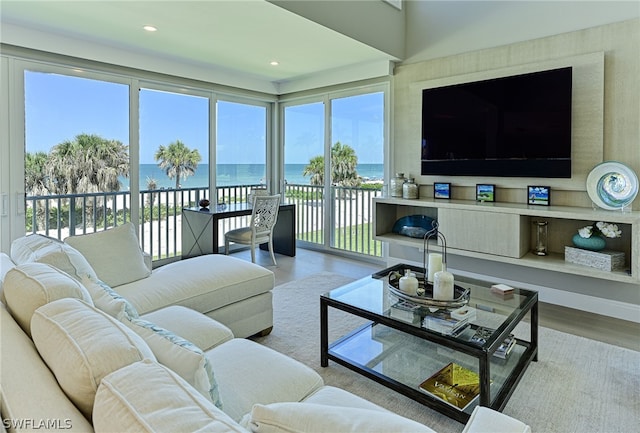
{"type": "Point", "coordinates": [88, 163]}
{"type": "Point", "coordinates": [343, 167]}
{"type": "Point", "coordinates": [315, 169]}
{"type": "Point", "coordinates": [152, 185]}
{"type": "Point", "coordinates": [177, 160]}
{"type": "Point", "coordinates": [35, 178]}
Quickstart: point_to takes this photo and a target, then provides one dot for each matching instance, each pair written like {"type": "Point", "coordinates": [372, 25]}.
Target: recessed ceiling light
{"type": "Point", "coordinates": [150, 28]}
{"type": "Point", "coordinates": [274, 63]}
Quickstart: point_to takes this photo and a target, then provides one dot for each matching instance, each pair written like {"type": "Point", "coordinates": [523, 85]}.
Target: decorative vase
{"type": "Point", "coordinates": [594, 243]}
{"type": "Point", "coordinates": [395, 185]}
{"type": "Point", "coordinates": [410, 189]}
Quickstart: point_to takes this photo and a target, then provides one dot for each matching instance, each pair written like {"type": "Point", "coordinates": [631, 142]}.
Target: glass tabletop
{"type": "Point", "coordinates": [479, 322]}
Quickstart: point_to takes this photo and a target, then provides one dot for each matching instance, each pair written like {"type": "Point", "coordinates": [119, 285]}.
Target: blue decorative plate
{"type": "Point", "coordinates": [413, 226]}
{"type": "Point", "coordinates": [612, 185]}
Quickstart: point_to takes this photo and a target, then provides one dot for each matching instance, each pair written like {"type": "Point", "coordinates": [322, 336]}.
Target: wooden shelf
{"type": "Point", "coordinates": [515, 246]}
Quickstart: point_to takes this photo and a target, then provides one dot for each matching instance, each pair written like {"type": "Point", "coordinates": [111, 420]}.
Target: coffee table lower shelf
{"type": "Point", "coordinates": [401, 361]}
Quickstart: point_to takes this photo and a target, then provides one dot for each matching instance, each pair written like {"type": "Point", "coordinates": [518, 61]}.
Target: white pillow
{"type": "Point", "coordinates": [147, 397]}
{"type": "Point", "coordinates": [81, 345]}
{"type": "Point", "coordinates": [23, 248]}
{"type": "Point", "coordinates": [108, 300]}
{"type": "Point", "coordinates": [319, 418]}
{"type": "Point", "coordinates": [180, 355]}
{"type": "Point", "coordinates": [66, 258]}
{"type": "Point", "coordinates": [114, 254]}
{"type": "Point", "coordinates": [32, 285]}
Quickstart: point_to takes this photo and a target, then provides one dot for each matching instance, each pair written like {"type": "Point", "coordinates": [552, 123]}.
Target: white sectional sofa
{"type": "Point", "coordinates": [77, 356]}
{"type": "Point", "coordinates": [231, 291]}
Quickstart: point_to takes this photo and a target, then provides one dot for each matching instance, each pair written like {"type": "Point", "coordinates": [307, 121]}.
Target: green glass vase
{"type": "Point", "coordinates": [594, 243]}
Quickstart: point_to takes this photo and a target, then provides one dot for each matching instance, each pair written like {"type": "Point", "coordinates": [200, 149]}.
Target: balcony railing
{"type": "Point", "coordinates": [59, 216]}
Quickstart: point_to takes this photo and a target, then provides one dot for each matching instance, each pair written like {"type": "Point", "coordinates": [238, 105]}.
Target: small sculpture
{"type": "Point", "coordinates": [204, 204]}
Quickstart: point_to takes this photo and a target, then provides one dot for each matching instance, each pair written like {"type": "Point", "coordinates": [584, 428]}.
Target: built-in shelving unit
{"type": "Point", "coordinates": [504, 232]}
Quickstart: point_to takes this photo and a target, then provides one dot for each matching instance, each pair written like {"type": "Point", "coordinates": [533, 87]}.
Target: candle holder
{"type": "Point", "coordinates": [434, 232]}
{"type": "Point", "coordinates": [541, 237]}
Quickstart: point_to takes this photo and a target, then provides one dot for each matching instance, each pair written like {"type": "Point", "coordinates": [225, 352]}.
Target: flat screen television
{"type": "Point", "coordinates": [516, 126]}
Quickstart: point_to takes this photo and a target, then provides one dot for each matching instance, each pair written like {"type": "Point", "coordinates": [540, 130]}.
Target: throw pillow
{"type": "Point", "coordinates": [319, 418]}
{"type": "Point", "coordinates": [114, 254]}
{"type": "Point", "coordinates": [32, 285]}
{"type": "Point", "coordinates": [108, 300]}
{"type": "Point", "coordinates": [23, 248]}
{"type": "Point", "coordinates": [81, 345]}
{"type": "Point", "coordinates": [180, 355]}
{"type": "Point", "coordinates": [147, 397]}
{"type": "Point", "coordinates": [65, 258]}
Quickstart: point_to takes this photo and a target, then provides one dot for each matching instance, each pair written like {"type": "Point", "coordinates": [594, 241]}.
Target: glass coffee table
{"type": "Point", "coordinates": [399, 348]}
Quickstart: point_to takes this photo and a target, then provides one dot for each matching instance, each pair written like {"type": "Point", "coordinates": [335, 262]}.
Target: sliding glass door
{"type": "Point", "coordinates": [334, 164]}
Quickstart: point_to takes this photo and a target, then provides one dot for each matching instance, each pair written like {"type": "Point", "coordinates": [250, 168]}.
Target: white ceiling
{"type": "Point", "coordinates": [240, 37]}
{"type": "Point", "coordinates": [233, 41]}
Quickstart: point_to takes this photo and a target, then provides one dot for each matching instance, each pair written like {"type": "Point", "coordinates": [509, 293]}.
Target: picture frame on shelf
{"type": "Point", "coordinates": [441, 190]}
{"type": "Point", "coordinates": [539, 195]}
{"type": "Point", "coordinates": [485, 192]}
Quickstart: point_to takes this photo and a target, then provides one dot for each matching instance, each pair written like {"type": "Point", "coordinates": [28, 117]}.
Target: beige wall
{"type": "Point", "coordinates": [620, 125]}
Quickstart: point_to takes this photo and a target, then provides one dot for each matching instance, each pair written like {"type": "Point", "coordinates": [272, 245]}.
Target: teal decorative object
{"type": "Point", "coordinates": [594, 243]}
{"type": "Point", "coordinates": [413, 226]}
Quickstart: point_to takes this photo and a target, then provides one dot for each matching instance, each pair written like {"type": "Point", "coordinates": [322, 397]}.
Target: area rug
{"type": "Point", "coordinates": [577, 385]}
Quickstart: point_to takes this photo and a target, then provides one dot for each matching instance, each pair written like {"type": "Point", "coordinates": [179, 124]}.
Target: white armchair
{"type": "Point", "coordinates": [260, 230]}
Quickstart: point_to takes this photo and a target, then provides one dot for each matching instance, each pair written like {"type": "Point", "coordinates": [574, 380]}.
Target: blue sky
{"type": "Point", "coordinates": [59, 107]}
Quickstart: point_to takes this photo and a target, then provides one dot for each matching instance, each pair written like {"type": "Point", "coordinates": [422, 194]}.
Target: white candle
{"type": "Point", "coordinates": [435, 265]}
{"type": "Point", "coordinates": [443, 286]}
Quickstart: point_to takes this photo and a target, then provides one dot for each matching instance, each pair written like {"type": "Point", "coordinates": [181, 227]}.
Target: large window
{"type": "Point", "coordinates": [76, 145]}
{"type": "Point", "coordinates": [90, 138]}
{"type": "Point", "coordinates": [241, 144]}
{"type": "Point", "coordinates": [304, 167]}
{"type": "Point", "coordinates": [174, 165]}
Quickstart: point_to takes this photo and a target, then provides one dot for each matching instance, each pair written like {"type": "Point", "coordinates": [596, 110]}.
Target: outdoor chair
{"type": "Point", "coordinates": [260, 230]}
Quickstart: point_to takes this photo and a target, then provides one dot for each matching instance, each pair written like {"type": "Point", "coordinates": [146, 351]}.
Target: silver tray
{"type": "Point", "coordinates": [461, 294]}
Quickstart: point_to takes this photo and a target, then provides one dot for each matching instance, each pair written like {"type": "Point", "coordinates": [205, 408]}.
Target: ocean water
{"type": "Point", "coordinates": [238, 174]}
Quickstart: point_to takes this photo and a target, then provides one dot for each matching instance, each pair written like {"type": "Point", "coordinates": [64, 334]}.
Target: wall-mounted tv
{"type": "Point", "coordinates": [516, 126]}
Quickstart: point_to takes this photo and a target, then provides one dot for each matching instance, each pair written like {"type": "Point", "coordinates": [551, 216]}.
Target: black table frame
{"type": "Point", "coordinates": [482, 354]}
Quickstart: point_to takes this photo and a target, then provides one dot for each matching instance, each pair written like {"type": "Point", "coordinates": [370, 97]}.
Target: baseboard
{"type": "Point", "coordinates": [591, 304]}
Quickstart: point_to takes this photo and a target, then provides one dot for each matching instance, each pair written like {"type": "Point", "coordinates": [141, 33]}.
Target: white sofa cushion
{"type": "Point", "coordinates": [6, 264]}
{"type": "Point", "coordinates": [147, 397]}
{"type": "Point", "coordinates": [114, 254]}
{"type": "Point", "coordinates": [108, 300]}
{"type": "Point", "coordinates": [29, 390]}
{"type": "Point", "coordinates": [484, 419]}
{"type": "Point", "coordinates": [249, 373]}
{"type": "Point", "coordinates": [191, 325]}
{"type": "Point", "coordinates": [41, 249]}
{"type": "Point", "coordinates": [178, 354]}
{"type": "Point", "coordinates": [32, 285]}
{"type": "Point", "coordinates": [318, 418]}
{"type": "Point", "coordinates": [203, 283]}
{"type": "Point", "coordinates": [332, 396]}
{"type": "Point", "coordinates": [23, 248]}
{"type": "Point", "coordinates": [81, 345]}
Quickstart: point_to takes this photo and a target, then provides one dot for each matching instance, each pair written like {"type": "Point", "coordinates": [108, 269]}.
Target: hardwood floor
{"type": "Point", "coordinates": [596, 327]}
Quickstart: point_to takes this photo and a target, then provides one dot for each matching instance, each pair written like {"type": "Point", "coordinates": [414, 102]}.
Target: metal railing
{"type": "Point", "coordinates": [59, 216]}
